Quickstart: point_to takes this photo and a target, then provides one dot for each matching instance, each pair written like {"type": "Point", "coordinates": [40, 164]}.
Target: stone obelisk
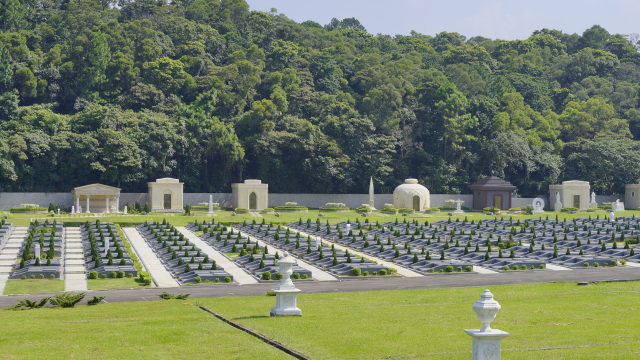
{"type": "Point", "coordinates": [371, 202]}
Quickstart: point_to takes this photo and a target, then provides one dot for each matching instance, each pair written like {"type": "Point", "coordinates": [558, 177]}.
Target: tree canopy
{"type": "Point", "coordinates": [212, 92]}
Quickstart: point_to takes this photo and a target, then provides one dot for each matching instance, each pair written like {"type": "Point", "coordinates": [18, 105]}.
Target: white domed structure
{"type": "Point", "coordinates": [411, 195]}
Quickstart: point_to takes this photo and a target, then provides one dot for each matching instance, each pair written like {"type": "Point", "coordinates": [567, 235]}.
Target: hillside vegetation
{"type": "Point", "coordinates": [211, 92]}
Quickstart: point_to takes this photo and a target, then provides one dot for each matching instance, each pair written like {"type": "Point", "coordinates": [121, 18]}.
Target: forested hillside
{"type": "Point", "coordinates": [211, 92]}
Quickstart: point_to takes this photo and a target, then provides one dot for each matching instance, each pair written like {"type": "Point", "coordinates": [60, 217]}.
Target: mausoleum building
{"type": "Point", "coordinates": [492, 192]}
{"type": "Point", "coordinates": [411, 195]}
{"type": "Point", "coordinates": [96, 199]}
{"type": "Point", "coordinates": [632, 196]}
{"type": "Point", "coordinates": [573, 193]}
{"type": "Point", "coordinates": [166, 195]}
{"type": "Point", "coordinates": [252, 195]}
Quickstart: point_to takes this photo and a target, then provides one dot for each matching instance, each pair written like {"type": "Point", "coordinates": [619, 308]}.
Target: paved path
{"type": "Point", "coordinates": [482, 270]}
{"type": "Point", "coordinates": [159, 273]}
{"type": "Point", "coordinates": [423, 282]}
{"type": "Point", "coordinates": [239, 275]}
{"type": "Point", "coordinates": [10, 253]}
{"type": "Point", "coordinates": [556, 267]}
{"type": "Point", "coordinates": [317, 273]}
{"type": "Point", "coordinates": [75, 278]}
{"type": "Point", "coordinates": [401, 271]}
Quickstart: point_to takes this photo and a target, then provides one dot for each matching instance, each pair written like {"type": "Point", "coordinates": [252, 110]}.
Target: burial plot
{"type": "Point", "coordinates": [105, 253]}
{"type": "Point", "coordinates": [40, 253]}
{"type": "Point", "coordinates": [185, 261]}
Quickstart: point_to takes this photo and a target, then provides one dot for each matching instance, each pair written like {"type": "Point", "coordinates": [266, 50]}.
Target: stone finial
{"type": "Point", "coordinates": [486, 309]}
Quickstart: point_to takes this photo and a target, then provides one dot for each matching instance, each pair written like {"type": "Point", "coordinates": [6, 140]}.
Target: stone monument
{"type": "Point", "coordinates": [572, 193]}
{"type": "Point", "coordinates": [37, 251]}
{"type": "Point", "coordinates": [73, 210]}
{"type": "Point", "coordinates": [286, 293]}
{"type": "Point", "coordinates": [593, 204]}
{"type": "Point", "coordinates": [612, 216]}
{"type": "Point", "coordinates": [125, 210]}
{"type": "Point", "coordinates": [486, 341]}
{"type": "Point", "coordinates": [318, 243]}
{"type": "Point", "coordinates": [538, 205]}
{"type": "Point", "coordinates": [371, 199]}
{"type": "Point", "coordinates": [618, 206]}
{"type": "Point", "coordinates": [558, 205]}
{"type": "Point", "coordinates": [458, 208]}
{"type": "Point", "coordinates": [210, 213]}
{"type": "Point", "coordinates": [166, 195]}
{"type": "Point", "coordinates": [251, 194]}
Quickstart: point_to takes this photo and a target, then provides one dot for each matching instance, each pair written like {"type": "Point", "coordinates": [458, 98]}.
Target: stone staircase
{"type": "Point", "coordinates": [75, 278]}
{"type": "Point", "coordinates": [10, 252]}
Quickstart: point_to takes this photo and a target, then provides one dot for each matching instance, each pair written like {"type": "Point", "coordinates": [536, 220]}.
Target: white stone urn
{"type": "Point", "coordinates": [486, 309]}
{"type": "Point", "coordinates": [486, 341]}
{"type": "Point", "coordinates": [286, 293]}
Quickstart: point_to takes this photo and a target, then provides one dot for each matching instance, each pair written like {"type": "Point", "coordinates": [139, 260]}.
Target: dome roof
{"type": "Point", "coordinates": [411, 187]}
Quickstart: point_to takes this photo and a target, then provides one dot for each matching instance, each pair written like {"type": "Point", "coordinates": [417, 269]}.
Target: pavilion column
{"type": "Point", "coordinates": [88, 209]}
{"type": "Point", "coordinates": [118, 204]}
{"type": "Point", "coordinates": [107, 209]}
{"type": "Point", "coordinates": [77, 203]}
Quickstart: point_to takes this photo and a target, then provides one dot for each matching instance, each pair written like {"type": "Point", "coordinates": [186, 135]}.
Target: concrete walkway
{"type": "Point", "coordinates": [159, 274]}
{"type": "Point", "coordinates": [10, 252]}
{"type": "Point", "coordinates": [481, 270]}
{"type": "Point", "coordinates": [239, 275]}
{"type": "Point", "coordinates": [317, 273]}
{"type": "Point", "coordinates": [75, 278]}
{"type": "Point", "coordinates": [401, 271]}
{"type": "Point", "coordinates": [556, 267]}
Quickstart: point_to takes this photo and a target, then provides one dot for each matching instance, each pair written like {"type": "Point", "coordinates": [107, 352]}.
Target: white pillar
{"type": "Point", "coordinates": [107, 209]}
{"type": "Point", "coordinates": [210, 205]}
{"type": "Point", "coordinates": [486, 341]}
{"type": "Point", "coordinates": [286, 293]}
{"type": "Point", "coordinates": [88, 211]}
{"type": "Point", "coordinates": [118, 204]}
{"type": "Point", "coordinates": [78, 203]}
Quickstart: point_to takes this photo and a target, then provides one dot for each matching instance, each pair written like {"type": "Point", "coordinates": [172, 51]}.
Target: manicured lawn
{"type": "Point", "coordinates": [33, 286]}
{"type": "Point", "coordinates": [546, 321]}
{"type": "Point", "coordinates": [172, 329]}
{"type": "Point", "coordinates": [123, 283]}
{"type": "Point", "coordinates": [225, 216]}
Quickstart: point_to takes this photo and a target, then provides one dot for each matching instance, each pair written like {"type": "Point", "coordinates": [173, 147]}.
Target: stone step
{"type": "Point", "coordinates": [72, 255]}
{"type": "Point", "coordinates": [74, 269]}
{"type": "Point", "coordinates": [71, 262]}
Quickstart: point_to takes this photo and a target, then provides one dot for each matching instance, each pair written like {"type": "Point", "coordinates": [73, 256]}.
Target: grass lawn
{"type": "Point", "coordinates": [225, 216]}
{"type": "Point", "coordinates": [122, 283]}
{"type": "Point", "coordinates": [33, 286]}
{"type": "Point", "coordinates": [546, 321]}
{"type": "Point", "coordinates": [152, 330]}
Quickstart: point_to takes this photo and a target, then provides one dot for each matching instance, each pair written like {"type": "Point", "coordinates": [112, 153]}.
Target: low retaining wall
{"type": "Point", "coordinates": [14, 199]}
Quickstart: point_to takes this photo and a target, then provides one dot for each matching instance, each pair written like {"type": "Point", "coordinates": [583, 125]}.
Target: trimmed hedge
{"type": "Point", "coordinates": [27, 209]}
{"type": "Point", "coordinates": [291, 208]}
{"type": "Point", "coordinates": [332, 208]}
{"type": "Point", "coordinates": [567, 209]}
{"type": "Point", "coordinates": [241, 210]}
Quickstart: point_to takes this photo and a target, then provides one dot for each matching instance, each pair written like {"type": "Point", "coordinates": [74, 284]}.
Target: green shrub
{"type": "Point", "coordinates": [23, 277]}
{"type": "Point", "coordinates": [623, 262]}
{"type": "Point", "coordinates": [383, 272]}
{"type": "Point", "coordinates": [569, 209]}
{"type": "Point", "coordinates": [120, 274]}
{"type": "Point", "coordinates": [366, 273]}
{"type": "Point", "coordinates": [129, 275]}
{"type": "Point", "coordinates": [278, 276]}
{"type": "Point", "coordinates": [586, 264]}
{"type": "Point", "coordinates": [374, 273]}
{"type": "Point", "coordinates": [515, 267]}
{"type": "Point", "coordinates": [305, 276]}
{"type": "Point", "coordinates": [216, 280]}
{"type": "Point", "coordinates": [506, 267]}
{"type": "Point", "coordinates": [103, 276]}
{"type": "Point", "coordinates": [448, 269]}
{"type": "Point", "coordinates": [33, 276]}
{"type": "Point", "coordinates": [113, 275]}
{"type": "Point", "coordinates": [296, 276]}
{"type": "Point", "coordinates": [197, 280]}
{"type": "Point", "coordinates": [542, 266]}
{"type": "Point", "coordinates": [613, 262]}
{"type": "Point", "coordinates": [271, 293]}
{"type": "Point", "coordinates": [459, 269]}
{"type": "Point", "coordinates": [356, 272]}
{"type": "Point", "coordinates": [93, 275]}
{"type": "Point", "coordinates": [469, 269]}
{"type": "Point", "coordinates": [523, 267]}
{"type": "Point", "coordinates": [241, 210]}
{"type": "Point", "coordinates": [291, 208]}
{"type": "Point", "coordinates": [227, 279]}
{"type": "Point", "coordinates": [66, 300]}
{"type": "Point", "coordinates": [52, 276]}
{"type": "Point", "coordinates": [431, 270]}
{"type": "Point", "coordinates": [41, 276]}
{"type": "Point", "coordinates": [595, 264]}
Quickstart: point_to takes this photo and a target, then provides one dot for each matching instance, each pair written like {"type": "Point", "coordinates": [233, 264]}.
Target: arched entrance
{"type": "Point", "coordinates": [253, 201]}
{"type": "Point", "coordinates": [416, 203]}
{"type": "Point", "coordinates": [167, 202]}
